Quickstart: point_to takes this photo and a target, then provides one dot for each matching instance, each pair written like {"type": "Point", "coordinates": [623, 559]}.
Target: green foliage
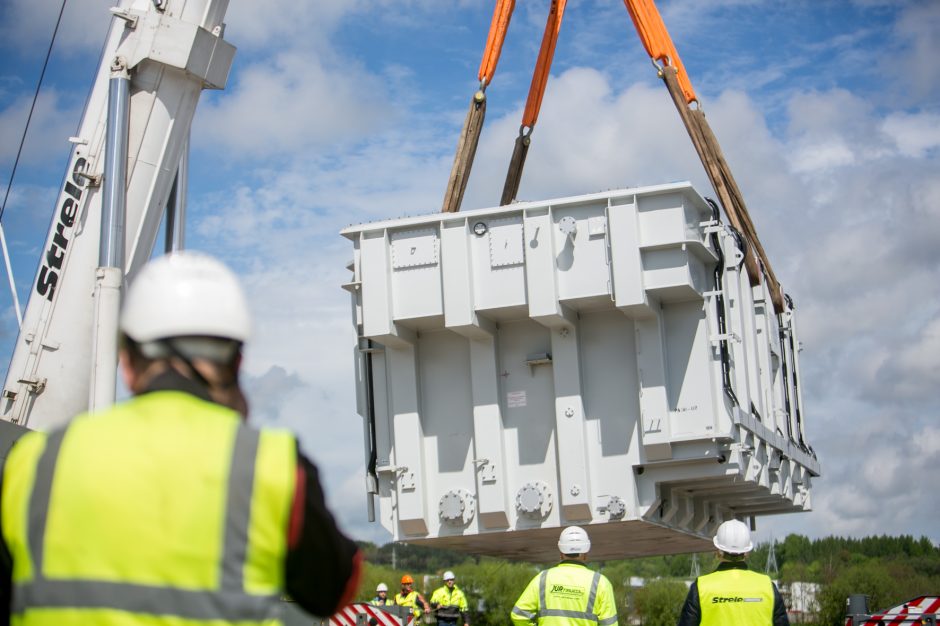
{"type": "Point", "coordinates": [659, 602]}
{"type": "Point", "coordinates": [669, 566]}
{"type": "Point", "coordinates": [843, 551]}
{"type": "Point", "coordinates": [409, 558]}
{"type": "Point", "coordinates": [888, 569]}
{"type": "Point", "coordinates": [498, 584]}
{"type": "Point", "coordinates": [886, 582]}
{"type": "Point", "coordinates": [372, 576]}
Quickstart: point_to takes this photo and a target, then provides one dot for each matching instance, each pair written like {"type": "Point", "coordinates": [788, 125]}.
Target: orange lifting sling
{"type": "Point", "coordinates": [470, 134]}
{"type": "Point", "coordinates": [534, 102]}
{"type": "Point", "coordinates": [652, 31]}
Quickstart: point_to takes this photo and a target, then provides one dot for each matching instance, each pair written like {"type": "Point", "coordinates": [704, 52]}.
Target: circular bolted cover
{"type": "Point", "coordinates": [534, 500]}
{"type": "Point", "coordinates": [456, 507]}
{"type": "Point", "coordinates": [616, 507]}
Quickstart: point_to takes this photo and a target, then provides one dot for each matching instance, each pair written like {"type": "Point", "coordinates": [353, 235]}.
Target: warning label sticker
{"type": "Point", "coordinates": [515, 399]}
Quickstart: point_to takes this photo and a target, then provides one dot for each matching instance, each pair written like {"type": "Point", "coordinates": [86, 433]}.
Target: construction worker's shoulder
{"type": "Point", "coordinates": [30, 443]}
{"type": "Point", "coordinates": [733, 572]}
{"type": "Point", "coordinates": [530, 595]}
{"type": "Point", "coordinates": [24, 452]}
{"type": "Point", "coordinates": [572, 568]}
{"type": "Point", "coordinates": [19, 474]}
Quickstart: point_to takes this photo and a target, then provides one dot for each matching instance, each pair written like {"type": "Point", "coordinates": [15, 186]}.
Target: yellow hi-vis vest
{"type": "Point", "coordinates": [736, 596]}
{"type": "Point", "coordinates": [411, 600]}
{"type": "Point", "coordinates": [165, 510]}
{"type": "Point", "coordinates": [568, 594]}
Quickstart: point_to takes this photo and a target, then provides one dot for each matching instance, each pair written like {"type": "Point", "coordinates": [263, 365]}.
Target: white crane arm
{"type": "Point", "coordinates": [172, 50]}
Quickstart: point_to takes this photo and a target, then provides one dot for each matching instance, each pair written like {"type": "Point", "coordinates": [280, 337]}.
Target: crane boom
{"type": "Point", "coordinates": [172, 49]}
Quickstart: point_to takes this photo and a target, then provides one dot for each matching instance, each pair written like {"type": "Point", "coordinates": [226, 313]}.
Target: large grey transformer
{"type": "Point", "coordinates": [601, 360]}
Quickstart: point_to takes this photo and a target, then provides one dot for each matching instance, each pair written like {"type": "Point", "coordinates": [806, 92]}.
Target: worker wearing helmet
{"type": "Point", "coordinates": [568, 594]}
{"type": "Point", "coordinates": [732, 594]}
{"type": "Point", "coordinates": [381, 596]}
{"type": "Point", "coordinates": [168, 508]}
{"type": "Point", "coordinates": [411, 598]}
{"type": "Point", "coordinates": [450, 603]}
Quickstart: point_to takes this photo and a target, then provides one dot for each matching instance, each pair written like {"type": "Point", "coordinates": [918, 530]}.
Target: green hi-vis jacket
{"type": "Point", "coordinates": [568, 594]}
{"type": "Point", "coordinates": [736, 596]}
{"type": "Point", "coordinates": [165, 510]}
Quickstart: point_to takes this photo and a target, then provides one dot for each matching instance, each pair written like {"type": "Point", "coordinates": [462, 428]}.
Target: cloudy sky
{"type": "Point", "coordinates": [344, 111]}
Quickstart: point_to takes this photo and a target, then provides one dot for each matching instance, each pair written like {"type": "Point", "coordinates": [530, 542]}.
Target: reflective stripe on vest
{"type": "Point", "coordinates": [587, 614]}
{"type": "Point", "coordinates": [229, 602]}
{"type": "Point", "coordinates": [451, 603]}
{"type": "Point", "coordinates": [736, 596]}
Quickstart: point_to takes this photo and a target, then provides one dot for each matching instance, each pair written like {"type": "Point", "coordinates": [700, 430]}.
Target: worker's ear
{"type": "Point", "coordinates": [128, 374]}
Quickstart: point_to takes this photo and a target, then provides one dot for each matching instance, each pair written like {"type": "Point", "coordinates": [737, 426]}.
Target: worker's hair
{"type": "Point", "coordinates": [732, 557]}
{"type": "Point", "coordinates": [219, 376]}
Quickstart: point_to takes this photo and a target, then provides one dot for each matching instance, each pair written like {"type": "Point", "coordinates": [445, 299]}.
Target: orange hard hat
{"type": "Point", "coordinates": [407, 579]}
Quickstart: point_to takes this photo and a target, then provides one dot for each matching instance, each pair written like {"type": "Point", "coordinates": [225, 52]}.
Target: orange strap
{"type": "Point", "coordinates": [652, 31]}
{"type": "Point", "coordinates": [544, 63]}
{"type": "Point", "coordinates": [494, 40]}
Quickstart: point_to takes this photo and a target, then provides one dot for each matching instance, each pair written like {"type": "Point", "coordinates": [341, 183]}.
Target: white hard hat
{"type": "Point", "coordinates": [448, 575]}
{"type": "Point", "coordinates": [381, 587]}
{"type": "Point", "coordinates": [185, 294]}
{"type": "Point", "coordinates": [733, 537]}
{"type": "Point", "coordinates": [574, 540]}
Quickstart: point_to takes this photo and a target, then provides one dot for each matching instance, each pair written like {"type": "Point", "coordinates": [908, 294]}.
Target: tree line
{"type": "Point", "coordinates": [889, 569]}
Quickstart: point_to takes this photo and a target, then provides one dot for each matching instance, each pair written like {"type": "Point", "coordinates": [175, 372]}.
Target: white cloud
{"type": "Point", "coordinates": [821, 156]}
{"type": "Point", "coordinates": [305, 25]}
{"type": "Point", "coordinates": [832, 130]}
{"type": "Point", "coordinates": [874, 489]}
{"type": "Point", "coordinates": [300, 24]}
{"type": "Point", "coordinates": [914, 134]}
{"type": "Point", "coordinates": [53, 121]}
{"type": "Point", "coordinates": [928, 443]}
{"type": "Point", "coordinates": [912, 370]}
{"type": "Point", "coordinates": [917, 30]}
{"type": "Point", "coordinates": [288, 103]}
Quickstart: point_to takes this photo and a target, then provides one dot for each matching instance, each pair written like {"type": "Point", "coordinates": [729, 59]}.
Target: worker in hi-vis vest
{"type": "Point", "coordinates": [732, 594]}
{"type": "Point", "coordinates": [381, 596]}
{"type": "Point", "coordinates": [411, 598]}
{"type": "Point", "coordinates": [568, 594]}
{"type": "Point", "coordinates": [168, 508]}
{"type": "Point", "coordinates": [450, 604]}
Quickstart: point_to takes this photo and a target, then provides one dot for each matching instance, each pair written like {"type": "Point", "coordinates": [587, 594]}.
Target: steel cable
{"type": "Point", "coordinates": [32, 107]}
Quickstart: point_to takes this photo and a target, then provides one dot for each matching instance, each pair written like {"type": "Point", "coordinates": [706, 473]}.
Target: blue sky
{"type": "Point", "coordinates": [344, 111]}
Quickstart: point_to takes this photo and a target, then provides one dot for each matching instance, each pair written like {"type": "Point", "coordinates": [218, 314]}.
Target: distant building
{"type": "Point", "coordinates": [801, 601]}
